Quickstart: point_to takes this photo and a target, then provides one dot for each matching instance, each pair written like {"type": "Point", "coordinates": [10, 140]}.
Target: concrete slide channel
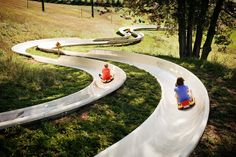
{"type": "Point", "coordinates": [167, 132]}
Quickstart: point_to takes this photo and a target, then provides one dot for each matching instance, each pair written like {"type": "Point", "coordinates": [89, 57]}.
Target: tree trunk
{"type": "Point", "coordinates": [182, 28]}
{"type": "Point", "coordinates": [200, 26]}
{"type": "Point", "coordinates": [92, 4]}
{"type": "Point", "coordinates": [211, 31]}
{"type": "Point", "coordinates": [190, 27]}
{"type": "Point", "coordinates": [43, 6]}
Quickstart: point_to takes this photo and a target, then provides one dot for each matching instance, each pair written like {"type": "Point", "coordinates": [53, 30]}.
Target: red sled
{"type": "Point", "coordinates": [107, 81]}
{"type": "Point", "coordinates": [186, 104]}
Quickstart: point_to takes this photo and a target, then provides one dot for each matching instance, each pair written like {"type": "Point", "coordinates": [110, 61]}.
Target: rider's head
{"type": "Point", "coordinates": [179, 82]}
{"type": "Point", "coordinates": [106, 65]}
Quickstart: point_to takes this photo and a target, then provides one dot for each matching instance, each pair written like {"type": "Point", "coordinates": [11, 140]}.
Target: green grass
{"type": "Point", "coordinates": [226, 57]}
{"type": "Point", "coordinates": [106, 121]}
{"type": "Point", "coordinates": [154, 43]}
{"type": "Point", "coordinates": [233, 38]}
{"type": "Point", "coordinates": [22, 85]}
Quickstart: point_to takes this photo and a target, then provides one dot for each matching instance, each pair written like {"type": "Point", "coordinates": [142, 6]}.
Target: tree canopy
{"type": "Point", "coordinates": [198, 17]}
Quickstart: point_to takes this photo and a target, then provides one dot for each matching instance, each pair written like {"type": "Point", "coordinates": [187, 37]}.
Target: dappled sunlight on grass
{"type": "Point", "coordinates": [227, 57]}
{"type": "Point", "coordinates": [137, 101]}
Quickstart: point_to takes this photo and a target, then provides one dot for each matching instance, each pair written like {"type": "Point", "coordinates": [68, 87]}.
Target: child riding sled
{"type": "Point", "coordinates": [183, 95]}
{"type": "Point", "coordinates": [106, 74]}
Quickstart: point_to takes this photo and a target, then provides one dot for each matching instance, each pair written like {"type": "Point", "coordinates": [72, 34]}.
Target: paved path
{"type": "Point", "coordinates": [168, 131]}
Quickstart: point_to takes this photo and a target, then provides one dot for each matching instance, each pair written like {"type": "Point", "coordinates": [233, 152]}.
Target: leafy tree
{"type": "Point", "coordinates": [118, 3]}
{"type": "Point", "coordinates": [113, 2]}
{"type": "Point", "coordinates": [192, 16]}
{"type": "Point", "coordinates": [101, 2]}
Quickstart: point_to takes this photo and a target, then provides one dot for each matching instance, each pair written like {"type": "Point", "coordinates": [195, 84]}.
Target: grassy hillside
{"type": "Point", "coordinates": [22, 24]}
{"type": "Point", "coordinates": [19, 24]}
{"type": "Point", "coordinates": [81, 133]}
